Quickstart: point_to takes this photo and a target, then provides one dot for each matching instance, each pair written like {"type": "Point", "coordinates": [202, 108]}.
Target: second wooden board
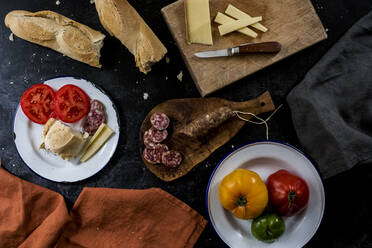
{"type": "Point", "coordinates": [293, 23]}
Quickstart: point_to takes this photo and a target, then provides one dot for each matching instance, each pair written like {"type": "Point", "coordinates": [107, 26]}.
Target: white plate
{"type": "Point", "coordinates": [49, 166]}
{"type": "Point", "coordinates": [265, 158]}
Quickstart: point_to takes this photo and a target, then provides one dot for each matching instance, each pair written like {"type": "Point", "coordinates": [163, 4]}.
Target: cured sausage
{"type": "Point", "coordinates": [205, 123]}
{"type": "Point", "coordinates": [157, 136]}
{"type": "Point", "coordinates": [148, 141]}
{"type": "Point", "coordinates": [154, 156]}
{"type": "Point", "coordinates": [160, 121]}
{"type": "Point", "coordinates": [171, 158]}
{"type": "Point", "coordinates": [95, 104]}
{"type": "Point", "coordinates": [95, 117]}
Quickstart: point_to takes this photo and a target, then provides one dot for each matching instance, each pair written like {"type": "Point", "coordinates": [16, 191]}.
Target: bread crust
{"type": "Point", "coordinates": [121, 20]}
{"type": "Point", "coordinates": [53, 30]}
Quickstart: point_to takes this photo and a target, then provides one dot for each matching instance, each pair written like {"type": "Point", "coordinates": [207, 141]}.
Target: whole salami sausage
{"type": "Point", "coordinates": [171, 159]}
{"type": "Point", "coordinates": [154, 156]}
{"type": "Point", "coordinates": [95, 117]}
{"type": "Point", "coordinates": [157, 136]}
{"type": "Point", "coordinates": [160, 121]}
{"type": "Point", "coordinates": [205, 123]}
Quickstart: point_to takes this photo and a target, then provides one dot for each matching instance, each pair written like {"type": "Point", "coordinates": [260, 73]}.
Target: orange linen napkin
{"type": "Point", "coordinates": [33, 216]}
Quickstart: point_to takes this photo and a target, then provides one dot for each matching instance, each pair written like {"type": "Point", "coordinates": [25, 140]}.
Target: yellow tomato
{"type": "Point", "coordinates": [243, 193]}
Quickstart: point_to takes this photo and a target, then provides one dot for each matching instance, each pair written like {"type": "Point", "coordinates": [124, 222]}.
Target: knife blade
{"type": "Point", "coordinates": [263, 47]}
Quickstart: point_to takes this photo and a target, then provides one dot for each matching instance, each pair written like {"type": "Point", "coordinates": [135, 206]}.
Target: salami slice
{"type": "Point", "coordinates": [95, 117]}
{"type": "Point", "coordinates": [171, 158]}
{"type": "Point", "coordinates": [154, 156]}
{"type": "Point", "coordinates": [148, 141]}
{"type": "Point", "coordinates": [95, 104]}
{"type": "Point", "coordinates": [148, 155]}
{"type": "Point", "coordinates": [157, 136]}
{"type": "Point", "coordinates": [160, 121]}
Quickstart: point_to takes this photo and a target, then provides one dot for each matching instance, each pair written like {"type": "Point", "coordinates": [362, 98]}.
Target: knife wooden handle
{"type": "Point", "coordinates": [263, 47]}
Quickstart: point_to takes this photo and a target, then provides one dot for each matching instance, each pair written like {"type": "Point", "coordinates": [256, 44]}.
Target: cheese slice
{"type": "Point", "coordinates": [223, 19]}
{"type": "Point", "coordinates": [238, 14]}
{"type": "Point", "coordinates": [100, 137]}
{"type": "Point", "coordinates": [198, 22]}
{"type": "Point", "coordinates": [237, 24]}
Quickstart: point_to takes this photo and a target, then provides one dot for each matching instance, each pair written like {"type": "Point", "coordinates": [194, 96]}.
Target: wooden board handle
{"type": "Point", "coordinates": [263, 47]}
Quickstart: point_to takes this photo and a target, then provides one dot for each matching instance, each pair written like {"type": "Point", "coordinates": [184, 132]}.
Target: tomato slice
{"type": "Point", "coordinates": [37, 103]}
{"type": "Point", "coordinates": [71, 103]}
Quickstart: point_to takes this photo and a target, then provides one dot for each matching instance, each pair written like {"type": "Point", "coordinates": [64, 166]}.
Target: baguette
{"type": "Point", "coordinates": [50, 29]}
{"type": "Point", "coordinates": [121, 20]}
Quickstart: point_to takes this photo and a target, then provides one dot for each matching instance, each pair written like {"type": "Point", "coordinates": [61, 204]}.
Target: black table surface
{"type": "Point", "coordinates": [347, 220]}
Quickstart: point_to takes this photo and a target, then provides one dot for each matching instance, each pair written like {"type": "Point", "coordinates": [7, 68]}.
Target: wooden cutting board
{"type": "Point", "coordinates": [196, 149]}
{"type": "Point", "coordinates": [293, 23]}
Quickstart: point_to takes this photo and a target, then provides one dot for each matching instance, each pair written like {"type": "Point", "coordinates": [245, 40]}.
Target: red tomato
{"type": "Point", "coordinates": [37, 103]}
{"type": "Point", "coordinates": [288, 193]}
{"type": "Point", "coordinates": [71, 103]}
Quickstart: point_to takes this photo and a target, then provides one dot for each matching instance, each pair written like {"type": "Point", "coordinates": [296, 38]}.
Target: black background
{"type": "Point", "coordinates": [347, 221]}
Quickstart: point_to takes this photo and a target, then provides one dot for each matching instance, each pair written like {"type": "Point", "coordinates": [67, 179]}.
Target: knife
{"type": "Point", "coordinates": [263, 47]}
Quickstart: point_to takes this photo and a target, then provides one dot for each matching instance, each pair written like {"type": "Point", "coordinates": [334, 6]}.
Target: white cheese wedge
{"type": "Point", "coordinates": [237, 24]}
{"type": "Point", "coordinates": [62, 140]}
{"type": "Point", "coordinates": [100, 137]}
{"type": "Point", "coordinates": [198, 22]}
{"type": "Point", "coordinates": [238, 14]}
{"type": "Point", "coordinates": [223, 19]}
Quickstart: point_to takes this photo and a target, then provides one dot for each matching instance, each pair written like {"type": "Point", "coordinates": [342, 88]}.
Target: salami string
{"type": "Point", "coordinates": [260, 122]}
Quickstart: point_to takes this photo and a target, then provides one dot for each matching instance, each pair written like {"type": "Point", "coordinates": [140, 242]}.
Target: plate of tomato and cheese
{"type": "Point", "coordinates": [66, 99]}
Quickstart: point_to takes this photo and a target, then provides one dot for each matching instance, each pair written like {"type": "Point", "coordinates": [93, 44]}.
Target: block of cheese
{"type": "Point", "coordinates": [103, 133]}
{"type": "Point", "coordinates": [237, 24]}
{"type": "Point", "coordinates": [238, 14]}
{"type": "Point", "coordinates": [198, 22]}
{"type": "Point", "coordinates": [223, 19]}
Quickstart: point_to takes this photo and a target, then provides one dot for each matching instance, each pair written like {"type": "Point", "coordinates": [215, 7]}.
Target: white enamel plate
{"type": "Point", "coordinates": [265, 158]}
{"type": "Point", "coordinates": [52, 167]}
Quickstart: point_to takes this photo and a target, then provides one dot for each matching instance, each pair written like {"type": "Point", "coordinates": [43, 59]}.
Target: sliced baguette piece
{"type": "Point", "coordinates": [121, 20]}
{"type": "Point", "coordinates": [50, 29]}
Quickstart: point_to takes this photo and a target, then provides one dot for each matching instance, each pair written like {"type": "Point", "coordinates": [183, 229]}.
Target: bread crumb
{"type": "Point", "coordinates": [167, 60]}
{"type": "Point", "coordinates": [11, 37]}
{"type": "Point", "coordinates": [58, 2]}
{"type": "Point", "coordinates": [179, 76]}
{"type": "Point", "coordinates": [91, 1]}
{"type": "Point", "coordinates": [145, 96]}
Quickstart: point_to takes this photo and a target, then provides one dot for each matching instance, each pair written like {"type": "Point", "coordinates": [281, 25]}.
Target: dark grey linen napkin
{"type": "Point", "coordinates": [332, 107]}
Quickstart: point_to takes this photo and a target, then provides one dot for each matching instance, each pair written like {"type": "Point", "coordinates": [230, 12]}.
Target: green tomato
{"type": "Point", "coordinates": [268, 227]}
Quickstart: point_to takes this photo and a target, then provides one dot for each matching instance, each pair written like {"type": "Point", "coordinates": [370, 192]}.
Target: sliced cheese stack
{"type": "Point", "coordinates": [239, 21]}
